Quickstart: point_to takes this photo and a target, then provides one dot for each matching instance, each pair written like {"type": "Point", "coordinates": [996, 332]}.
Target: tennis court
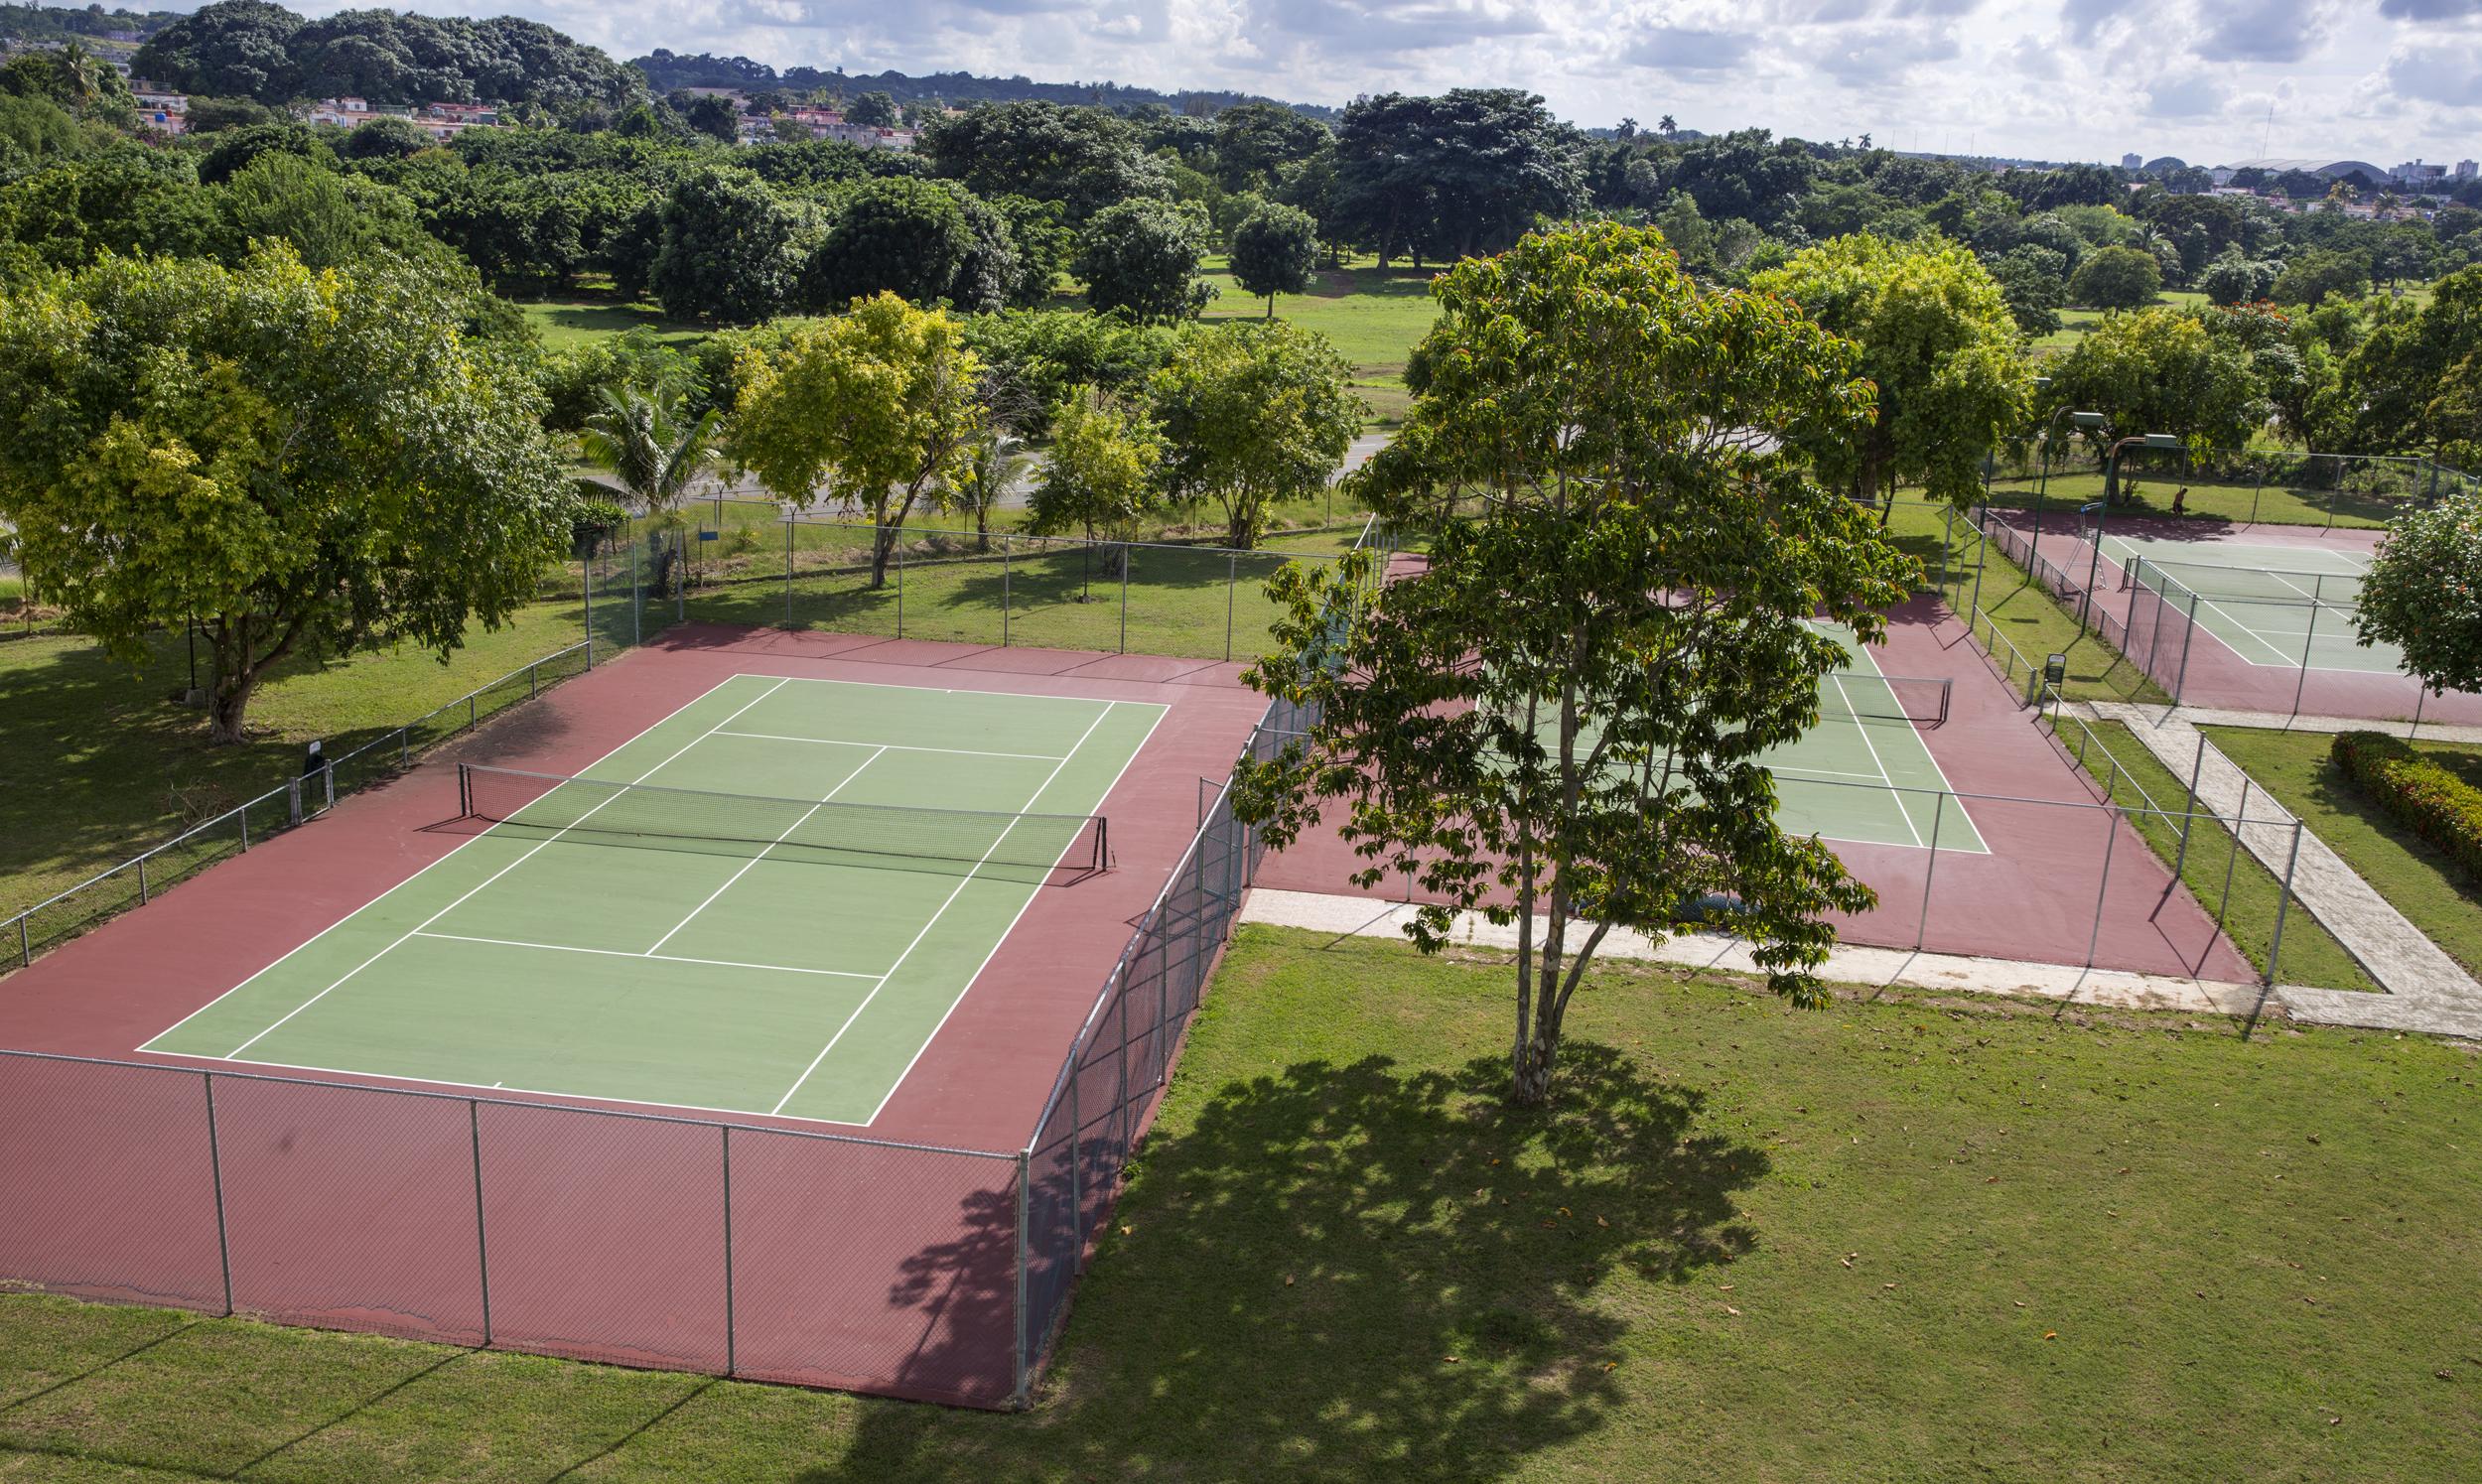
{"type": "Point", "coordinates": [1853, 777]}
{"type": "Point", "coordinates": [766, 903]}
{"type": "Point", "coordinates": [2286, 608]}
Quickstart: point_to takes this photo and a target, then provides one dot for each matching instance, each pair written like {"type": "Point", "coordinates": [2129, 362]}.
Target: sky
{"type": "Point", "coordinates": [2383, 80]}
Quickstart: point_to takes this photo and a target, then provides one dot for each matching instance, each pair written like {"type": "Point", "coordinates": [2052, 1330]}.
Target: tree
{"type": "Point", "coordinates": [1083, 158]}
{"type": "Point", "coordinates": [995, 466]}
{"type": "Point", "coordinates": [873, 110]}
{"type": "Point", "coordinates": [1463, 172]}
{"type": "Point", "coordinates": [1143, 256]}
{"type": "Point", "coordinates": [384, 139]}
{"type": "Point", "coordinates": [2422, 593]}
{"type": "Point", "coordinates": [2412, 375]}
{"type": "Point", "coordinates": [2233, 279]}
{"type": "Point", "coordinates": [234, 149]}
{"type": "Point", "coordinates": [1253, 415]}
{"type": "Point", "coordinates": [1275, 252]}
{"type": "Point", "coordinates": [1256, 142]}
{"type": "Point", "coordinates": [2320, 274]}
{"type": "Point", "coordinates": [714, 117]}
{"type": "Point", "coordinates": [1559, 722]}
{"type": "Point", "coordinates": [913, 238]}
{"type": "Point", "coordinates": [732, 249]}
{"type": "Point", "coordinates": [312, 464]}
{"type": "Point", "coordinates": [2116, 278]}
{"type": "Point", "coordinates": [882, 400]}
{"type": "Point", "coordinates": [1100, 478]}
{"type": "Point", "coordinates": [2032, 281]}
{"type": "Point", "coordinates": [1936, 339]}
{"type": "Point", "coordinates": [2161, 370]}
{"type": "Point", "coordinates": [641, 435]}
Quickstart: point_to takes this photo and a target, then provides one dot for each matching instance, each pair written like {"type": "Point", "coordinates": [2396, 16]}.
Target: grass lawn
{"type": "Point", "coordinates": [97, 761]}
{"type": "Point", "coordinates": [2311, 955]}
{"type": "Point", "coordinates": [566, 324]}
{"type": "Point", "coordinates": [1374, 320]}
{"type": "Point", "coordinates": [2211, 504]}
{"type": "Point", "coordinates": [1898, 1239]}
{"type": "Point", "coordinates": [2414, 878]}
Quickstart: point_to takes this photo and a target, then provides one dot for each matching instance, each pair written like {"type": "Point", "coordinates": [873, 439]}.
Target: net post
{"type": "Point", "coordinates": [732, 1355]}
{"type": "Point", "coordinates": [2284, 901]}
{"type": "Point", "coordinates": [2310, 640]}
{"type": "Point", "coordinates": [1921, 928]}
{"type": "Point", "coordinates": [481, 1247]}
{"type": "Point", "coordinates": [1018, 1396]}
{"type": "Point", "coordinates": [216, 1175]}
{"type": "Point", "coordinates": [2111, 837]}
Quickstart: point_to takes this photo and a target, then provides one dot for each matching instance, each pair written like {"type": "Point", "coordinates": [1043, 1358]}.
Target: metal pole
{"type": "Point", "coordinates": [1076, 1191]}
{"type": "Point", "coordinates": [2190, 811]}
{"type": "Point", "coordinates": [788, 569]}
{"type": "Point", "coordinates": [1123, 597]}
{"type": "Point", "coordinates": [2111, 837]}
{"type": "Point", "coordinates": [1921, 928]}
{"type": "Point", "coordinates": [2189, 642]}
{"type": "Point", "coordinates": [2307, 639]}
{"type": "Point", "coordinates": [1982, 559]}
{"type": "Point", "coordinates": [1232, 579]}
{"type": "Point", "coordinates": [142, 860]}
{"type": "Point", "coordinates": [481, 1243]}
{"type": "Point", "coordinates": [2101, 513]}
{"type": "Point", "coordinates": [215, 1173]}
{"type": "Point", "coordinates": [2284, 901]}
{"type": "Point", "coordinates": [1022, 1221]}
{"type": "Point", "coordinates": [900, 589]}
{"type": "Point", "coordinates": [2239, 822]}
{"type": "Point", "coordinates": [586, 586]}
{"type": "Point", "coordinates": [24, 943]}
{"type": "Point", "coordinates": [1005, 593]}
{"type": "Point", "coordinates": [732, 1359]}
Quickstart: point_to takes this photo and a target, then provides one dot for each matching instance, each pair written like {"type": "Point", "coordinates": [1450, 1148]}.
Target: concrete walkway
{"type": "Point", "coordinates": [1879, 968]}
{"type": "Point", "coordinates": [2278, 721]}
{"type": "Point", "coordinates": [2427, 990]}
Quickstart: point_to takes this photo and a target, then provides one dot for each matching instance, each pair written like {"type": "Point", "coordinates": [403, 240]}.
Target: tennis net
{"type": "Point", "coordinates": [2177, 579]}
{"type": "Point", "coordinates": [1867, 696]}
{"type": "Point", "coordinates": [555, 805]}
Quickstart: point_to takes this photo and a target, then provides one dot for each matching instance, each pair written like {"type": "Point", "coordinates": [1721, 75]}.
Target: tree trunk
{"type": "Point", "coordinates": [883, 545]}
{"type": "Point", "coordinates": [1534, 1061]}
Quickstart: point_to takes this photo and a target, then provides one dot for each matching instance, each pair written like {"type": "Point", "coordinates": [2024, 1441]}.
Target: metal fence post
{"type": "Point", "coordinates": [1232, 581]}
{"type": "Point", "coordinates": [1921, 928]}
{"type": "Point", "coordinates": [327, 784]}
{"type": "Point", "coordinates": [788, 568]}
{"type": "Point", "coordinates": [2284, 901]}
{"type": "Point", "coordinates": [2309, 641]}
{"type": "Point", "coordinates": [2189, 642]}
{"type": "Point", "coordinates": [1123, 597]}
{"type": "Point", "coordinates": [215, 1173]}
{"type": "Point", "coordinates": [2239, 822]}
{"type": "Point", "coordinates": [586, 589]}
{"type": "Point", "coordinates": [900, 589]}
{"type": "Point", "coordinates": [2111, 837]}
{"type": "Point", "coordinates": [481, 1243]}
{"type": "Point", "coordinates": [732, 1358]}
{"type": "Point", "coordinates": [24, 943]}
{"type": "Point", "coordinates": [1076, 1177]}
{"type": "Point", "coordinates": [293, 800]}
{"type": "Point", "coordinates": [472, 708]}
{"type": "Point", "coordinates": [2190, 811]}
{"type": "Point", "coordinates": [1005, 595]}
{"type": "Point", "coordinates": [2421, 696]}
{"type": "Point", "coordinates": [142, 860]}
{"type": "Point", "coordinates": [1024, 1206]}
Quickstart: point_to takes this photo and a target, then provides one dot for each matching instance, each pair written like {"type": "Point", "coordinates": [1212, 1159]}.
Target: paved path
{"type": "Point", "coordinates": [2429, 991]}
{"type": "Point", "coordinates": [2278, 721]}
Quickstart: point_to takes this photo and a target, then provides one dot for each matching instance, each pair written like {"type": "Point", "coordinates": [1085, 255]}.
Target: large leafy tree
{"type": "Point", "coordinates": [2408, 371]}
{"type": "Point", "coordinates": [1255, 142]}
{"type": "Point", "coordinates": [309, 464]}
{"type": "Point", "coordinates": [1142, 257]}
{"type": "Point", "coordinates": [2116, 278]}
{"type": "Point", "coordinates": [1100, 477]}
{"type": "Point", "coordinates": [732, 249]}
{"type": "Point", "coordinates": [2161, 370]}
{"type": "Point", "coordinates": [1253, 415]}
{"type": "Point", "coordinates": [1083, 158]}
{"type": "Point", "coordinates": [1463, 172]}
{"type": "Point", "coordinates": [1938, 341]}
{"type": "Point", "coordinates": [883, 401]}
{"type": "Point", "coordinates": [2423, 592]}
{"type": "Point", "coordinates": [1275, 252]}
{"type": "Point", "coordinates": [1559, 721]}
{"type": "Point", "coordinates": [916, 240]}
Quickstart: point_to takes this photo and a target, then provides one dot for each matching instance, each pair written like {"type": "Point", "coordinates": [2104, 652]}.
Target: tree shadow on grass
{"type": "Point", "coordinates": [1335, 1270]}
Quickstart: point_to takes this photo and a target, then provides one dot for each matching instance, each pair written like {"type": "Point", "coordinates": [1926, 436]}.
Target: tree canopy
{"type": "Point", "coordinates": [2161, 370]}
{"type": "Point", "coordinates": [309, 464]}
{"type": "Point", "coordinates": [1559, 722]}
{"type": "Point", "coordinates": [1253, 415]}
{"type": "Point", "coordinates": [256, 50]}
{"type": "Point", "coordinates": [1142, 257]}
{"type": "Point", "coordinates": [1275, 252]}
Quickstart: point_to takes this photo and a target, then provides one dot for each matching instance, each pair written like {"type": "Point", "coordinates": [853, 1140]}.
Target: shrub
{"type": "Point", "coordinates": [2416, 792]}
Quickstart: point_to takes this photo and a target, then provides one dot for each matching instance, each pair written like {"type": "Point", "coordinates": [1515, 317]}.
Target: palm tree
{"type": "Point", "coordinates": [1666, 127]}
{"type": "Point", "coordinates": [643, 441]}
{"type": "Point", "coordinates": [999, 464]}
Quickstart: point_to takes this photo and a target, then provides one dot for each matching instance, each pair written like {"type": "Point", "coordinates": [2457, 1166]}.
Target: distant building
{"type": "Point", "coordinates": [160, 109]}
{"type": "Point", "coordinates": [2133, 162]}
{"type": "Point", "coordinates": [442, 121]}
{"type": "Point", "coordinates": [2324, 168]}
{"type": "Point", "coordinates": [2465, 169]}
{"type": "Point", "coordinates": [2416, 173]}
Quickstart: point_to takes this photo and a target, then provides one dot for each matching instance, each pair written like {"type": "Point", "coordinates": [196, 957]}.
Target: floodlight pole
{"type": "Point", "coordinates": [2050, 434]}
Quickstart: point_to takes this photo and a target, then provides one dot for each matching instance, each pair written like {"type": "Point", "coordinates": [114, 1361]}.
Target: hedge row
{"type": "Point", "coordinates": [2418, 794]}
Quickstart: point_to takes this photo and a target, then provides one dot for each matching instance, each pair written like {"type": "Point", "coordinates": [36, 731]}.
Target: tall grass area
{"type": "Point", "coordinates": [1901, 1238]}
{"type": "Point", "coordinates": [2416, 878]}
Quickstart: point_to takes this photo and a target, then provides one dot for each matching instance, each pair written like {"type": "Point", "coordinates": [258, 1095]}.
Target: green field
{"type": "Point", "coordinates": [2414, 877]}
{"type": "Point", "coordinates": [1901, 1238]}
{"type": "Point", "coordinates": [566, 324]}
{"type": "Point", "coordinates": [1374, 320]}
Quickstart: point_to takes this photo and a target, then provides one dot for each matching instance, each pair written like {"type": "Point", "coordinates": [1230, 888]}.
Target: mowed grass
{"type": "Point", "coordinates": [1374, 320]}
{"type": "Point", "coordinates": [2414, 877]}
{"type": "Point", "coordinates": [1902, 1237]}
{"type": "Point", "coordinates": [568, 323]}
{"type": "Point", "coordinates": [97, 760]}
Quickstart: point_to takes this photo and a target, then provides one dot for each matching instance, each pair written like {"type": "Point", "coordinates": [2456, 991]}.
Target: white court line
{"type": "Point", "coordinates": [1981, 846]}
{"type": "Point", "coordinates": [664, 958]}
{"type": "Point", "coordinates": [1876, 762]}
{"type": "Point", "coordinates": [838, 741]}
{"type": "Point", "coordinates": [875, 756]}
{"type": "Point", "coordinates": [931, 690]}
{"type": "Point", "coordinates": [434, 866]}
{"type": "Point", "coordinates": [493, 876]}
{"type": "Point", "coordinates": [996, 943]}
{"type": "Point", "coordinates": [538, 1092]}
{"type": "Point", "coordinates": [936, 917]}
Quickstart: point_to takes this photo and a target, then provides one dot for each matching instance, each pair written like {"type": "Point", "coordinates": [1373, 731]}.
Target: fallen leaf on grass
{"type": "Point", "coordinates": [1736, 1313]}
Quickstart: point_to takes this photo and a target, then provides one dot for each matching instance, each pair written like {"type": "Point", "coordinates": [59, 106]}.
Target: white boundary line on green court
{"type": "Point", "coordinates": [530, 854]}
{"type": "Point", "coordinates": [661, 958]}
{"type": "Point", "coordinates": [877, 752]}
{"type": "Point", "coordinates": [942, 911]}
{"type": "Point", "coordinates": [2281, 661]}
{"type": "Point", "coordinates": [1889, 783]}
{"type": "Point", "coordinates": [830, 742]}
{"type": "Point", "coordinates": [427, 869]}
{"type": "Point", "coordinates": [1161, 711]}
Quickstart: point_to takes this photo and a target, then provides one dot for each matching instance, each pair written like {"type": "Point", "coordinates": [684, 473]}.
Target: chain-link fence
{"type": "Point", "coordinates": [2248, 486]}
{"type": "Point", "coordinates": [621, 607]}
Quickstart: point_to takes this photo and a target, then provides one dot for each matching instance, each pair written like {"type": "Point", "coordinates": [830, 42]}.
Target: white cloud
{"type": "Point", "coordinates": [2059, 80]}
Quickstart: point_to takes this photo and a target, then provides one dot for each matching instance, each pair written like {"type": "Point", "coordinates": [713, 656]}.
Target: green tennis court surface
{"type": "Point", "coordinates": [765, 904]}
{"type": "Point", "coordinates": [2280, 607]}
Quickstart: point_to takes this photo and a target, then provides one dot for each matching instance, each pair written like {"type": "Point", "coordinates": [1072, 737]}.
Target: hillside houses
{"type": "Point", "coordinates": [442, 121]}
